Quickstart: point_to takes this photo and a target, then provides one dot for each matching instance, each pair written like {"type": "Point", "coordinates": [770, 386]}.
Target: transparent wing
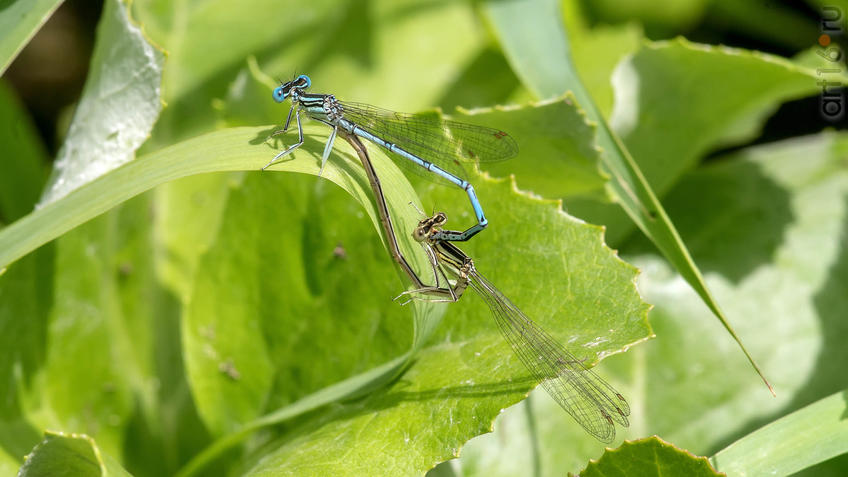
{"type": "Point", "coordinates": [447, 144]}
{"type": "Point", "coordinates": [590, 400]}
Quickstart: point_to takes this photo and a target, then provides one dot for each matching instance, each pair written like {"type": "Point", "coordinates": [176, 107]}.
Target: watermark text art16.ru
{"type": "Point", "coordinates": [832, 104]}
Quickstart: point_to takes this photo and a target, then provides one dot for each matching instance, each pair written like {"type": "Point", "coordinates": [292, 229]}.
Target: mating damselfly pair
{"type": "Point", "coordinates": [438, 147]}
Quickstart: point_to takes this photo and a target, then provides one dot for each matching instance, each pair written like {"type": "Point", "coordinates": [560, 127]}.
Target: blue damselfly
{"type": "Point", "coordinates": [427, 142]}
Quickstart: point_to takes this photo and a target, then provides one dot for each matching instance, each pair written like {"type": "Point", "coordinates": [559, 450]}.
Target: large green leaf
{"type": "Point", "coordinates": [286, 277]}
{"type": "Point", "coordinates": [556, 147]}
{"type": "Point", "coordinates": [769, 226]}
{"type": "Point", "coordinates": [582, 293]}
{"type": "Point", "coordinates": [678, 100]}
{"type": "Point", "coordinates": [120, 103]}
{"type": "Point", "coordinates": [70, 454]}
{"type": "Point", "coordinates": [19, 21]}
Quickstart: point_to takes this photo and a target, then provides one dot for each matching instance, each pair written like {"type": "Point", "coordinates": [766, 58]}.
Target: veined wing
{"type": "Point", "coordinates": [590, 400]}
{"type": "Point", "coordinates": [444, 143]}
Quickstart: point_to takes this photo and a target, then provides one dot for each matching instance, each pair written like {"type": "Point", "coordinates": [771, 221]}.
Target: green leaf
{"type": "Point", "coordinates": [582, 294]}
{"type": "Point", "coordinates": [283, 272]}
{"type": "Point", "coordinates": [69, 454]}
{"type": "Point", "coordinates": [813, 434]}
{"type": "Point", "coordinates": [557, 155]}
{"type": "Point", "coordinates": [119, 104]}
{"type": "Point", "coordinates": [537, 47]}
{"type": "Point", "coordinates": [19, 21]}
{"type": "Point", "coordinates": [733, 91]}
{"type": "Point", "coordinates": [232, 376]}
{"type": "Point", "coordinates": [92, 297]}
{"type": "Point", "coordinates": [769, 225]}
{"type": "Point", "coordinates": [648, 457]}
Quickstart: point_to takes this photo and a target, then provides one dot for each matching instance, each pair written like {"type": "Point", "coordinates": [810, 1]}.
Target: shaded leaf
{"type": "Point", "coordinates": [119, 104]}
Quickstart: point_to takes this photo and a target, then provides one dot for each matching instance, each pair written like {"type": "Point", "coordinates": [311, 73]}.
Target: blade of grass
{"type": "Point", "coordinates": [792, 443]}
{"type": "Point", "coordinates": [347, 389]}
{"type": "Point", "coordinates": [534, 41]}
{"type": "Point", "coordinates": [236, 149]}
{"type": "Point", "coordinates": [19, 22]}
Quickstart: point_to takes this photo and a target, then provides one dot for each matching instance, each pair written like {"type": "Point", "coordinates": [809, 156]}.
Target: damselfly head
{"type": "Point", "coordinates": [419, 234]}
{"type": "Point", "coordinates": [286, 89]}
